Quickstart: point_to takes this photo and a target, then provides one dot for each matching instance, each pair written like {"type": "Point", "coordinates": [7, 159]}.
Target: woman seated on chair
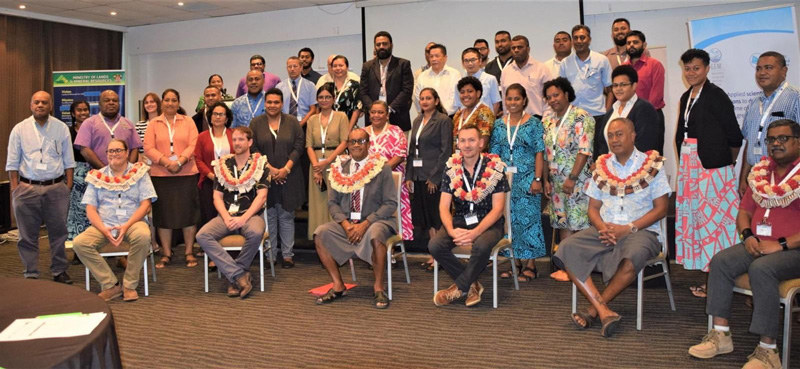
{"type": "Point", "coordinates": [117, 198]}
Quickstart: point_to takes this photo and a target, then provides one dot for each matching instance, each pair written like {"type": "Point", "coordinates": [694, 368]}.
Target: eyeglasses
{"type": "Point", "coordinates": [218, 115]}
{"type": "Point", "coordinates": [470, 61]}
{"type": "Point", "coordinates": [359, 141]}
{"type": "Point", "coordinates": [618, 85]}
{"type": "Point", "coordinates": [780, 139]}
{"type": "Point", "coordinates": [256, 64]}
{"type": "Point", "coordinates": [120, 151]}
{"type": "Point", "coordinates": [324, 98]}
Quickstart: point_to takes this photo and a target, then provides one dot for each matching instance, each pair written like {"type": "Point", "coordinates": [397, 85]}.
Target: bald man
{"type": "Point", "coordinates": [40, 165]}
{"type": "Point", "coordinates": [251, 104]}
{"type": "Point", "coordinates": [98, 131]}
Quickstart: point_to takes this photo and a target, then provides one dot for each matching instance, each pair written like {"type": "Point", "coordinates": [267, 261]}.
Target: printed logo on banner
{"type": "Point", "coordinates": [715, 55]}
{"type": "Point", "coordinates": [754, 59]}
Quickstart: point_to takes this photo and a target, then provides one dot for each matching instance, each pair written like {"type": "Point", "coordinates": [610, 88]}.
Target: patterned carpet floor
{"type": "Point", "coordinates": [181, 326]}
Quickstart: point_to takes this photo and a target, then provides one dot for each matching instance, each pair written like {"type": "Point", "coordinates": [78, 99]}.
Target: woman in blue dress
{"type": "Point", "coordinates": [517, 138]}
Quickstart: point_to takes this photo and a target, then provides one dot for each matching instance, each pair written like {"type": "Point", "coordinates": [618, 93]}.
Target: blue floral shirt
{"type": "Point", "coordinates": [117, 207]}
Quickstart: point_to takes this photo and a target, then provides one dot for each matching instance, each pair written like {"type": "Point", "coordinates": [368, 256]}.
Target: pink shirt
{"type": "Point", "coordinates": [532, 77]}
{"type": "Point", "coordinates": [651, 80]}
{"type": "Point", "coordinates": [783, 220]}
{"type": "Point", "coordinates": [156, 144]}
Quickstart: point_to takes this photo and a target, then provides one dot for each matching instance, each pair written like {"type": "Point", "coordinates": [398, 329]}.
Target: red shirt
{"type": "Point", "coordinates": [783, 220]}
{"type": "Point", "coordinates": [651, 80]}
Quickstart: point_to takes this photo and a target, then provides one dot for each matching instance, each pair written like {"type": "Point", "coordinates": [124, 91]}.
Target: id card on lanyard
{"type": "Point", "coordinates": [172, 157]}
{"type": "Point", "coordinates": [258, 106]}
{"type": "Point", "coordinates": [689, 106]}
{"type": "Point", "coordinates": [511, 168]}
{"type": "Point", "coordinates": [471, 217]}
{"type": "Point", "coordinates": [111, 129]}
{"type": "Point", "coordinates": [41, 139]}
{"type": "Point", "coordinates": [757, 148]}
{"type": "Point", "coordinates": [417, 162]}
{"type": "Point", "coordinates": [764, 228]}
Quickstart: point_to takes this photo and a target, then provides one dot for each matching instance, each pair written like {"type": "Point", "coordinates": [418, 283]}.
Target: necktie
{"type": "Point", "coordinates": [355, 197]}
{"type": "Point", "coordinates": [293, 102]}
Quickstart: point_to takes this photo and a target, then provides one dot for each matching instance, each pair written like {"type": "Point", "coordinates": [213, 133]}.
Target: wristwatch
{"type": "Point", "coordinates": [572, 177]}
{"type": "Point", "coordinates": [634, 229]}
{"type": "Point", "coordinates": [783, 243]}
{"type": "Point", "coordinates": [537, 179]}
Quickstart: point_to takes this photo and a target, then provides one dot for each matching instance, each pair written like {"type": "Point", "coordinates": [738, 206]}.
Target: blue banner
{"type": "Point", "coordinates": [72, 86]}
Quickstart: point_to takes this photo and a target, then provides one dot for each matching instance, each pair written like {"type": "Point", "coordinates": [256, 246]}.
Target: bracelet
{"type": "Point", "coordinates": [288, 171]}
{"type": "Point", "coordinates": [746, 233]}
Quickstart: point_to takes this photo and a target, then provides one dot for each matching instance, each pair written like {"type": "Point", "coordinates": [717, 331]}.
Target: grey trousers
{"type": "Point", "coordinates": [34, 204]}
{"type": "Point", "coordinates": [441, 246]}
{"type": "Point", "coordinates": [281, 222]}
{"type": "Point", "coordinates": [766, 272]}
{"type": "Point", "coordinates": [208, 237]}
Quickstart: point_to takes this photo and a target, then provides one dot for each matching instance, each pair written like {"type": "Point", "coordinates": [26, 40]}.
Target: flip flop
{"type": "Point", "coordinates": [610, 325]}
{"type": "Point", "coordinates": [381, 300]}
{"type": "Point", "coordinates": [699, 291]}
{"type": "Point", "coordinates": [588, 320]}
{"type": "Point", "coordinates": [330, 296]}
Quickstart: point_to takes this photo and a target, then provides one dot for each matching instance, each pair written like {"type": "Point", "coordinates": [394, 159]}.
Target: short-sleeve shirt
{"type": "Point", "coordinates": [786, 107]}
{"type": "Point", "coordinates": [305, 92]}
{"type": "Point", "coordinates": [491, 91]}
{"type": "Point", "coordinates": [245, 108]}
{"type": "Point", "coordinates": [532, 77]}
{"type": "Point", "coordinates": [626, 209]}
{"type": "Point", "coordinates": [244, 200]}
{"type": "Point", "coordinates": [589, 78]}
{"type": "Point", "coordinates": [95, 133]}
{"type": "Point", "coordinates": [482, 208]}
{"type": "Point", "coordinates": [783, 220]}
{"type": "Point", "coordinates": [38, 152]}
{"type": "Point", "coordinates": [483, 117]}
{"type": "Point", "coordinates": [109, 202]}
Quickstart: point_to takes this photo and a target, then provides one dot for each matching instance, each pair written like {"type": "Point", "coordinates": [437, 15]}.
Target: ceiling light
{"type": "Point", "coordinates": [22, 6]}
{"type": "Point", "coordinates": [180, 4]}
{"type": "Point", "coordinates": [113, 13]}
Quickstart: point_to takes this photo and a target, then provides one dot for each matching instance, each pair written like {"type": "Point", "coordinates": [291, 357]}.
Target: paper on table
{"type": "Point", "coordinates": [52, 326]}
{"type": "Point", "coordinates": [321, 290]}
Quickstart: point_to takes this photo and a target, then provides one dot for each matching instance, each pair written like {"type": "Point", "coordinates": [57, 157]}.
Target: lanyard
{"type": "Point", "coordinates": [584, 71]}
{"type": "Point", "coordinates": [112, 129]}
{"type": "Point", "coordinates": [294, 94]}
{"type": "Point", "coordinates": [557, 130]}
{"type": "Point", "coordinates": [461, 119]}
{"type": "Point", "coordinates": [772, 182]}
{"type": "Point", "coordinates": [475, 176]}
{"type": "Point", "coordinates": [689, 110]}
{"type": "Point", "coordinates": [323, 131]}
{"type": "Point", "coordinates": [765, 114]}
{"type": "Point", "coordinates": [250, 107]}
{"type": "Point", "coordinates": [345, 85]}
{"type": "Point", "coordinates": [512, 138]}
{"type": "Point", "coordinates": [620, 61]}
{"type": "Point", "coordinates": [171, 133]}
{"type": "Point", "coordinates": [419, 131]}
{"type": "Point", "coordinates": [501, 66]}
{"type": "Point", "coordinates": [275, 133]}
{"type": "Point", "coordinates": [218, 146]}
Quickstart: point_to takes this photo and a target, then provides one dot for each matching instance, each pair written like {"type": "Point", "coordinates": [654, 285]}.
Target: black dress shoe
{"type": "Point", "coordinates": [287, 263]}
{"type": "Point", "coordinates": [63, 278]}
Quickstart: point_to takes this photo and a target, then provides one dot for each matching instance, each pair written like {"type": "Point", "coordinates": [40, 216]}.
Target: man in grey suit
{"type": "Point", "coordinates": [390, 79]}
{"type": "Point", "coordinates": [362, 202]}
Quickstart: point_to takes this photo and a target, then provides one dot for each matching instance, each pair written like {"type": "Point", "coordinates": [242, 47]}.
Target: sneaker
{"type": "Point", "coordinates": [474, 294]}
{"type": "Point", "coordinates": [111, 293]}
{"type": "Point", "coordinates": [763, 358]}
{"type": "Point", "coordinates": [713, 344]}
{"type": "Point", "coordinates": [129, 295]}
{"type": "Point", "coordinates": [445, 297]}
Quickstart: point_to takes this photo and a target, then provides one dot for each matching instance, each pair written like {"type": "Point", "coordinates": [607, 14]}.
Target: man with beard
{"type": "Point", "coordinates": [619, 53]}
{"type": "Point", "coordinates": [483, 47]}
{"type": "Point", "coordinates": [211, 95]}
{"type": "Point", "coordinates": [651, 75]}
{"type": "Point", "coordinates": [529, 73]}
{"type": "Point", "coordinates": [589, 73]}
{"type": "Point", "coordinates": [97, 131]}
{"type": "Point", "coordinates": [502, 44]}
{"type": "Point", "coordinates": [388, 78]}
{"type": "Point", "coordinates": [306, 56]}
{"type": "Point", "coordinates": [562, 45]}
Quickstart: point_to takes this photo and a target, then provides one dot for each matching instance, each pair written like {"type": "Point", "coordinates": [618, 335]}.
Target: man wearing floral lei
{"type": "Point", "coordinates": [117, 198]}
{"type": "Point", "coordinates": [475, 184]}
{"type": "Point", "coordinates": [628, 196]}
{"type": "Point", "coordinates": [768, 253]}
{"type": "Point", "coordinates": [239, 196]}
{"type": "Point", "coordinates": [362, 202]}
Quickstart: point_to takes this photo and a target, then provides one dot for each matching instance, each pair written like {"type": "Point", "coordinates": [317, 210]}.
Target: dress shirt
{"type": "Point", "coordinates": [532, 77]}
{"type": "Point", "coordinates": [495, 67]}
{"type": "Point", "coordinates": [444, 83]}
{"type": "Point", "coordinates": [312, 76]}
{"type": "Point", "coordinates": [615, 113]}
{"type": "Point", "coordinates": [245, 108]}
{"type": "Point", "coordinates": [554, 65]}
{"type": "Point", "coordinates": [616, 59]}
{"type": "Point", "coordinates": [31, 144]}
{"type": "Point", "coordinates": [270, 81]}
{"type": "Point", "coordinates": [306, 95]}
{"type": "Point", "coordinates": [490, 94]}
{"type": "Point", "coordinates": [589, 78]}
{"type": "Point", "coordinates": [651, 80]}
{"type": "Point", "coordinates": [786, 107]}
{"type": "Point", "coordinates": [108, 202]}
{"type": "Point", "coordinates": [625, 209]}
{"type": "Point", "coordinates": [95, 133]}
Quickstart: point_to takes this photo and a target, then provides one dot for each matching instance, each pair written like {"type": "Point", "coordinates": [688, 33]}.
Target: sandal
{"type": "Point", "coordinates": [698, 291]}
{"type": "Point", "coordinates": [381, 301]}
{"type": "Point", "coordinates": [534, 274]}
{"type": "Point", "coordinates": [191, 261]}
{"type": "Point", "coordinates": [610, 325]}
{"type": "Point", "coordinates": [200, 253]}
{"type": "Point", "coordinates": [588, 319]}
{"type": "Point", "coordinates": [330, 296]}
{"type": "Point", "coordinates": [164, 261]}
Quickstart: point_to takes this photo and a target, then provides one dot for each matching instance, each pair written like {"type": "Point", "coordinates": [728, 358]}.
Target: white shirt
{"type": "Point", "coordinates": [554, 65]}
{"type": "Point", "coordinates": [491, 93]}
{"type": "Point", "coordinates": [589, 78]}
{"type": "Point", "coordinates": [444, 83]}
{"type": "Point", "coordinates": [616, 114]}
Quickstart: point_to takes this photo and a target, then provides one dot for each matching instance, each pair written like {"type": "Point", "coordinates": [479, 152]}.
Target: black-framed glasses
{"type": "Point", "coordinates": [115, 151]}
{"type": "Point", "coordinates": [623, 84]}
{"type": "Point", "coordinates": [360, 141]}
{"type": "Point", "coordinates": [219, 115]}
{"type": "Point", "coordinates": [782, 139]}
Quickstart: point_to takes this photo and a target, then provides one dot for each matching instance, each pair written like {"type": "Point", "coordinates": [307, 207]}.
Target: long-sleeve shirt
{"type": "Point", "coordinates": [38, 152]}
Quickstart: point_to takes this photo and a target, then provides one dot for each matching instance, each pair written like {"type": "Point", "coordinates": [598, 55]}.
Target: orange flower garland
{"type": "Point", "coordinates": [347, 183]}
{"type": "Point", "coordinates": [245, 181]}
{"type": "Point", "coordinates": [99, 179]}
{"type": "Point", "coordinates": [492, 173]}
{"type": "Point", "coordinates": [611, 184]}
{"type": "Point", "coordinates": [767, 195]}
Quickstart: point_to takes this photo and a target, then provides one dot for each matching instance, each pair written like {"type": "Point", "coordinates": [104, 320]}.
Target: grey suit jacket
{"type": "Point", "coordinates": [435, 147]}
{"type": "Point", "coordinates": [380, 202]}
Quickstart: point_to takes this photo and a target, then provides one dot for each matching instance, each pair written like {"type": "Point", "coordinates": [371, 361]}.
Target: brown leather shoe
{"type": "Point", "coordinates": [111, 293]}
{"type": "Point", "coordinates": [244, 285]}
{"type": "Point", "coordinates": [233, 291]}
{"type": "Point", "coordinates": [129, 295]}
{"type": "Point", "coordinates": [122, 262]}
{"type": "Point", "coordinates": [474, 294]}
{"type": "Point", "coordinates": [445, 297]}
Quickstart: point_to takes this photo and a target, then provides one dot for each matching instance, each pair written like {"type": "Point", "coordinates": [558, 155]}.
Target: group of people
{"type": "Point", "coordinates": [583, 129]}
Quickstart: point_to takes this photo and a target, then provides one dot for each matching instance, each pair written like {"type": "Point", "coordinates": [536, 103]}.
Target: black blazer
{"type": "Point", "coordinates": [399, 89]}
{"type": "Point", "coordinates": [648, 127]}
{"type": "Point", "coordinates": [198, 120]}
{"type": "Point", "coordinates": [289, 145]}
{"type": "Point", "coordinates": [713, 120]}
{"type": "Point", "coordinates": [435, 147]}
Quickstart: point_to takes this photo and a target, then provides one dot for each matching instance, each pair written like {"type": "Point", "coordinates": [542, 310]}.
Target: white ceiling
{"type": "Point", "coordinates": [141, 12]}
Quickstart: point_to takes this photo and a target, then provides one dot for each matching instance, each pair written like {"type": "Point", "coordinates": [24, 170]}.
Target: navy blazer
{"type": "Point", "coordinates": [648, 127]}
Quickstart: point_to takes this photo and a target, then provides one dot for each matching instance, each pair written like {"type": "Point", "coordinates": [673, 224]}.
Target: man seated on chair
{"type": "Point", "coordinates": [117, 198]}
{"type": "Point", "coordinates": [628, 195]}
{"type": "Point", "coordinates": [362, 201]}
{"type": "Point", "coordinates": [767, 224]}
{"type": "Point", "coordinates": [475, 184]}
{"type": "Point", "coordinates": [240, 193]}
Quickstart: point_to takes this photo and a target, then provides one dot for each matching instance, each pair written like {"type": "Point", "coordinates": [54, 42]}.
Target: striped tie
{"type": "Point", "coordinates": [293, 102]}
{"type": "Point", "coordinates": [355, 197]}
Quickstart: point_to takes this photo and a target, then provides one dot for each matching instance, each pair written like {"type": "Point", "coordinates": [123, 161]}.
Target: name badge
{"type": "Point", "coordinates": [417, 163]}
{"type": "Point", "coordinates": [355, 215]}
{"type": "Point", "coordinates": [471, 218]}
{"type": "Point", "coordinates": [757, 150]}
{"type": "Point", "coordinates": [242, 190]}
{"type": "Point", "coordinates": [511, 169]}
{"type": "Point", "coordinates": [764, 229]}
{"type": "Point", "coordinates": [148, 161]}
{"type": "Point", "coordinates": [233, 209]}
{"type": "Point", "coordinates": [114, 233]}
{"type": "Point", "coordinates": [41, 166]}
{"type": "Point", "coordinates": [685, 149]}
{"type": "Point", "coordinates": [120, 212]}
{"type": "Point", "coordinates": [173, 157]}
